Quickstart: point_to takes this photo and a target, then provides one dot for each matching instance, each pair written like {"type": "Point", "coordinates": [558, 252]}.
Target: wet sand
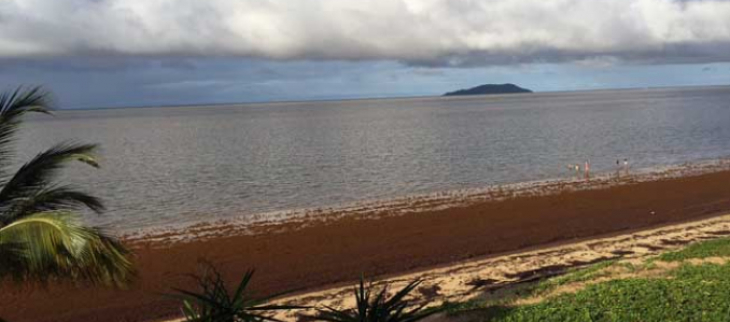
{"type": "Point", "coordinates": [337, 251]}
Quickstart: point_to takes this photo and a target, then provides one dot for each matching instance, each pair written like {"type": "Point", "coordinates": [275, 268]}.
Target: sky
{"type": "Point", "coordinates": [113, 53]}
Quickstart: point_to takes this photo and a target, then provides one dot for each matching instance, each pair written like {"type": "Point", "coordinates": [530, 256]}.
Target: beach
{"type": "Point", "coordinates": [497, 277]}
{"type": "Point", "coordinates": [502, 161]}
{"type": "Point", "coordinates": [312, 254]}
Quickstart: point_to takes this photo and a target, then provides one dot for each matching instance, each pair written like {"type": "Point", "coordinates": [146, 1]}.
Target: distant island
{"type": "Point", "coordinates": [490, 89]}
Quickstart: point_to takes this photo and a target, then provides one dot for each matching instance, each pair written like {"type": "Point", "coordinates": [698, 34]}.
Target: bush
{"type": "Point", "coordinates": [214, 303]}
{"type": "Point", "coordinates": [381, 308]}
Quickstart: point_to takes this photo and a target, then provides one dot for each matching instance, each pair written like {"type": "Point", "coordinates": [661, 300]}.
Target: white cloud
{"type": "Point", "coordinates": [428, 32]}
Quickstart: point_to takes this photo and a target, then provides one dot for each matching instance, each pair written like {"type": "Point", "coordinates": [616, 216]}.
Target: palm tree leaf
{"type": "Point", "coordinates": [22, 100]}
{"type": "Point", "coordinates": [36, 175]}
{"type": "Point", "coordinates": [52, 244]}
{"type": "Point", "coordinates": [36, 241]}
{"type": "Point", "coordinates": [55, 198]}
{"type": "Point", "coordinates": [13, 105]}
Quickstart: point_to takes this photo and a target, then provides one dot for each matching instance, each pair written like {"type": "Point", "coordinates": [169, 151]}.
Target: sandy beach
{"type": "Point", "coordinates": [311, 254]}
{"type": "Point", "coordinates": [496, 276]}
{"type": "Point", "coordinates": [505, 161]}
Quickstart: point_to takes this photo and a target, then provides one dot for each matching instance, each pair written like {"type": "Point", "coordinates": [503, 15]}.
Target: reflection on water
{"type": "Point", "coordinates": [171, 165]}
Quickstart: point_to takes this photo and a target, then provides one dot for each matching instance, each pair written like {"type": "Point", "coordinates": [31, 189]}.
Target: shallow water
{"type": "Point", "coordinates": [173, 165]}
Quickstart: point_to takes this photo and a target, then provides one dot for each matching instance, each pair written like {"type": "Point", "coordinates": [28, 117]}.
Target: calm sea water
{"type": "Point", "coordinates": [175, 165]}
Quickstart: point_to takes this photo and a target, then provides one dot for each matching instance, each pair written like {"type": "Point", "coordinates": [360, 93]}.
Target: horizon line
{"type": "Point", "coordinates": [293, 101]}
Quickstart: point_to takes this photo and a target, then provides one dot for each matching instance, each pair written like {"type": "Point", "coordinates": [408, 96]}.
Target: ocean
{"type": "Point", "coordinates": [165, 166]}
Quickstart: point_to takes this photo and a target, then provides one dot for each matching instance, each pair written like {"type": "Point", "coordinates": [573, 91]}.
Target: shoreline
{"type": "Point", "coordinates": [414, 203]}
{"type": "Point", "coordinates": [335, 252]}
{"type": "Point", "coordinates": [375, 98]}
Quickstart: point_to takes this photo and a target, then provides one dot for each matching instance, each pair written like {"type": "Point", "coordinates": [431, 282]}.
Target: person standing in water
{"type": "Point", "coordinates": [626, 166]}
{"type": "Point", "coordinates": [618, 168]}
{"type": "Point", "coordinates": [587, 169]}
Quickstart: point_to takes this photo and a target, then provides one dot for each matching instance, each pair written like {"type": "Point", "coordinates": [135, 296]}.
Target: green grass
{"type": "Point", "coordinates": [687, 293]}
{"type": "Point", "coordinates": [696, 293]}
{"type": "Point", "coordinates": [710, 248]}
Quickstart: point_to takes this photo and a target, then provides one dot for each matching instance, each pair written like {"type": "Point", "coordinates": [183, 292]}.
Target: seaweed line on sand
{"type": "Point", "coordinates": [372, 209]}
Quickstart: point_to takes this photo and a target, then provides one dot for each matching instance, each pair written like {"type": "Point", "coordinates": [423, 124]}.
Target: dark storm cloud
{"type": "Point", "coordinates": [136, 81]}
{"type": "Point", "coordinates": [418, 32]}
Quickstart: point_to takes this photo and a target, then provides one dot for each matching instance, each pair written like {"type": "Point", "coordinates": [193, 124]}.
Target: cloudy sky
{"type": "Point", "coordinates": [101, 53]}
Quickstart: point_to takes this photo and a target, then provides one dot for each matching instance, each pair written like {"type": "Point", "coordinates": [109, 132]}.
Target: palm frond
{"type": "Point", "coordinates": [55, 198]}
{"type": "Point", "coordinates": [52, 244]}
{"type": "Point", "coordinates": [35, 177]}
{"type": "Point", "coordinates": [39, 239]}
{"type": "Point", "coordinates": [13, 105]}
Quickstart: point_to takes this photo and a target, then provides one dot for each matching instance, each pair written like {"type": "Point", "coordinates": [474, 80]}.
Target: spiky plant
{"type": "Point", "coordinates": [214, 303]}
{"type": "Point", "coordinates": [380, 308]}
{"type": "Point", "coordinates": [41, 236]}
